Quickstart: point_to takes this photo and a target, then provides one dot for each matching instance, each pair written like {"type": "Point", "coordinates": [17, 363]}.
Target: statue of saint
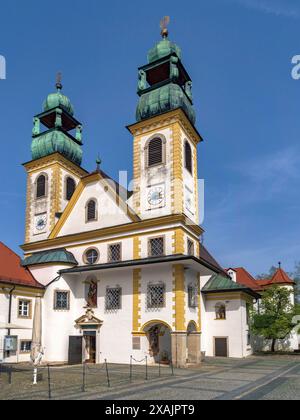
{"type": "Point", "coordinates": [92, 295]}
{"type": "Point", "coordinates": [142, 84]}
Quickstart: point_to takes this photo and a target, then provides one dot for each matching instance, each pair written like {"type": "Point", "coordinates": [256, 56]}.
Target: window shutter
{"type": "Point", "coordinates": [41, 186]}
{"type": "Point", "coordinates": [91, 210]}
{"type": "Point", "coordinates": [155, 152]}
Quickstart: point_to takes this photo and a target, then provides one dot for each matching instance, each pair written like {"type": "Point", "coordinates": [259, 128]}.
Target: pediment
{"type": "Point", "coordinates": [88, 319]}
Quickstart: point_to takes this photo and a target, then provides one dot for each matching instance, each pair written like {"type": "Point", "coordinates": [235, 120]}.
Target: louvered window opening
{"type": "Point", "coordinates": [188, 157]}
{"type": "Point", "coordinates": [41, 186]}
{"type": "Point", "coordinates": [91, 210]}
{"type": "Point", "coordinates": [155, 152]}
{"type": "Point", "coordinates": [70, 188]}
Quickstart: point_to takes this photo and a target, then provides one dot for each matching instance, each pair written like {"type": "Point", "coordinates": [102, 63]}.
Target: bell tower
{"type": "Point", "coordinates": [164, 137]}
{"type": "Point", "coordinates": [54, 171]}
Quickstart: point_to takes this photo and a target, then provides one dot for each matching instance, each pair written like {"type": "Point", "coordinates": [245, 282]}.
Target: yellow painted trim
{"type": "Point", "coordinates": [94, 177]}
{"type": "Point", "coordinates": [136, 300]}
{"type": "Point", "coordinates": [136, 248]}
{"type": "Point", "coordinates": [119, 230]}
{"type": "Point", "coordinates": [199, 305]}
{"type": "Point", "coordinates": [155, 321]}
{"type": "Point", "coordinates": [179, 290]}
{"type": "Point", "coordinates": [138, 334]}
{"type": "Point", "coordinates": [166, 120]}
{"type": "Point", "coordinates": [44, 162]}
{"type": "Point", "coordinates": [178, 241]}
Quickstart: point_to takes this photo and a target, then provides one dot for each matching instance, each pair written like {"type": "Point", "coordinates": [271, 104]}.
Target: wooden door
{"type": "Point", "coordinates": [221, 347]}
{"type": "Point", "coordinates": [75, 350]}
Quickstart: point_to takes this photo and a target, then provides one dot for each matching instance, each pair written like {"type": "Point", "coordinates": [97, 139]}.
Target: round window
{"type": "Point", "coordinates": [91, 256]}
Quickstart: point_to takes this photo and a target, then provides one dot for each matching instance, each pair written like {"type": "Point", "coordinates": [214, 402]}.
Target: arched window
{"type": "Point", "coordinates": [188, 157]}
{"type": "Point", "coordinates": [70, 188]}
{"type": "Point", "coordinates": [220, 311]}
{"type": "Point", "coordinates": [91, 211]}
{"type": "Point", "coordinates": [41, 187]}
{"type": "Point", "coordinates": [155, 152]}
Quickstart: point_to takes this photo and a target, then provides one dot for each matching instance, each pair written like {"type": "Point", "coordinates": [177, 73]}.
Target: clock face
{"type": "Point", "coordinates": [156, 196]}
{"type": "Point", "coordinates": [41, 222]}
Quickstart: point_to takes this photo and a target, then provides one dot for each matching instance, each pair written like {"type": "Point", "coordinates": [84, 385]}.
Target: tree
{"type": "Point", "coordinates": [267, 276]}
{"type": "Point", "coordinates": [274, 322]}
{"type": "Point", "coordinates": [296, 277]}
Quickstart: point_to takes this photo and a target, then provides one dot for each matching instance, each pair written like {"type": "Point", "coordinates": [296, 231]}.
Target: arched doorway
{"type": "Point", "coordinates": [158, 335]}
{"type": "Point", "coordinates": [193, 348]}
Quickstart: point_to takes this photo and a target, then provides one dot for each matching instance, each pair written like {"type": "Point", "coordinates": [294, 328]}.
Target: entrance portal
{"type": "Point", "coordinates": [90, 346]}
{"type": "Point", "coordinates": [159, 341]}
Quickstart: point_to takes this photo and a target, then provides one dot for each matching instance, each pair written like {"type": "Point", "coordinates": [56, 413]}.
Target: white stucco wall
{"type": "Point", "coordinates": [17, 356]}
{"type": "Point", "coordinates": [109, 213]}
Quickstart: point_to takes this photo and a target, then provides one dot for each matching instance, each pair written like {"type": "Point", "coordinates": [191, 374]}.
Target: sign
{"type": "Point", "coordinates": [11, 343]}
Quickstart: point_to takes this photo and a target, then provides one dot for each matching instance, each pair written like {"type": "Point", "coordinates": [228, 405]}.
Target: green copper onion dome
{"type": "Point", "coordinates": [163, 99]}
{"type": "Point", "coordinates": [63, 132]}
{"type": "Point", "coordinates": [56, 141]}
{"type": "Point", "coordinates": [58, 100]}
{"type": "Point", "coordinates": [55, 100]}
{"type": "Point", "coordinates": [162, 49]}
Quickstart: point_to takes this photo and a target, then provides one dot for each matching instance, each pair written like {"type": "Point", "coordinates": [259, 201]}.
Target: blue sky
{"type": "Point", "coordinates": [238, 53]}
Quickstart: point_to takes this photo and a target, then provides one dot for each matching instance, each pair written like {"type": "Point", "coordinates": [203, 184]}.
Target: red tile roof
{"type": "Point", "coordinates": [12, 272]}
{"type": "Point", "coordinates": [279, 277]}
{"type": "Point", "coordinates": [245, 278]}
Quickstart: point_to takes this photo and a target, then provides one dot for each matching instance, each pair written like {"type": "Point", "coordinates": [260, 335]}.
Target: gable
{"type": "Point", "coordinates": [111, 210]}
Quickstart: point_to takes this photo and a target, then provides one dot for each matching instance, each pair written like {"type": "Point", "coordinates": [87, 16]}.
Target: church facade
{"type": "Point", "coordinates": [124, 273]}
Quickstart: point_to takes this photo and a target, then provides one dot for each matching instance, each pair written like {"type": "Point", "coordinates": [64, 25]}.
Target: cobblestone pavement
{"type": "Point", "coordinates": [255, 378]}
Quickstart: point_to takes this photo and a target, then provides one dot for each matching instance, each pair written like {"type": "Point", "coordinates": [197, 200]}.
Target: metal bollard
{"type": "Point", "coordinates": [83, 377]}
{"type": "Point", "coordinates": [146, 368]}
{"type": "Point", "coordinates": [172, 368]}
{"type": "Point", "coordinates": [10, 375]}
{"type": "Point", "coordinates": [130, 377]}
{"type": "Point", "coordinates": [107, 375]}
{"type": "Point", "coordinates": [49, 384]}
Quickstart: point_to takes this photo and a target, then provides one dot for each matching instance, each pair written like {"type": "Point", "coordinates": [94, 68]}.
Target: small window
{"type": "Point", "coordinates": [155, 296]}
{"type": "Point", "coordinates": [248, 338]}
{"type": "Point", "coordinates": [155, 152]}
{"type": "Point", "coordinates": [91, 256]}
{"type": "Point", "coordinates": [113, 298]}
{"type": "Point", "coordinates": [61, 300]}
{"type": "Point", "coordinates": [190, 247]}
{"type": "Point", "coordinates": [25, 346]}
{"type": "Point", "coordinates": [114, 252]}
{"type": "Point", "coordinates": [156, 247]}
{"type": "Point", "coordinates": [91, 211]}
{"type": "Point", "coordinates": [220, 311]}
{"type": "Point", "coordinates": [41, 186]}
{"type": "Point", "coordinates": [70, 188]}
{"type": "Point", "coordinates": [188, 157]}
{"type": "Point", "coordinates": [192, 296]}
{"type": "Point", "coordinates": [24, 310]}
